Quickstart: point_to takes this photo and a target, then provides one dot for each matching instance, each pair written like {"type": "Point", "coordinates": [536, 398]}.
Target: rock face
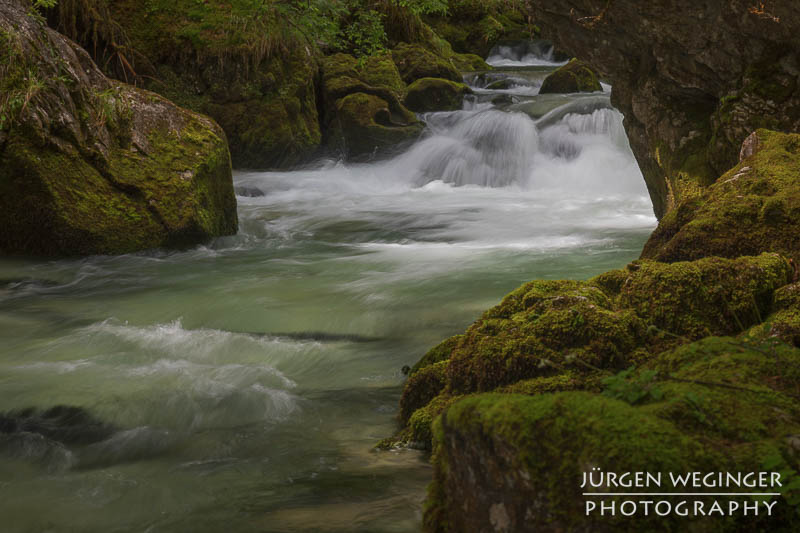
{"type": "Point", "coordinates": [693, 79]}
{"type": "Point", "coordinates": [90, 166]}
{"type": "Point", "coordinates": [574, 77]}
{"type": "Point", "coordinates": [435, 94]}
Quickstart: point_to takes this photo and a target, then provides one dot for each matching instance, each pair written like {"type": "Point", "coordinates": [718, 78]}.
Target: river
{"type": "Point", "coordinates": [241, 385]}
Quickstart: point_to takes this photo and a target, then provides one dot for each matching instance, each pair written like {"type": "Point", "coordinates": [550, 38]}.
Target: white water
{"type": "Point", "coordinates": [533, 54]}
{"type": "Point", "coordinates": [245, 382]}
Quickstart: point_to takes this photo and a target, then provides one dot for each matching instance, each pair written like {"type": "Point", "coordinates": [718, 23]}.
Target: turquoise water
{"type": "Point", "coordinates": [241, 385]}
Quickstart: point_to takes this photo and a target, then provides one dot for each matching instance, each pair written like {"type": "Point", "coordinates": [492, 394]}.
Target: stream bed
{"type": "Point", "coordinates": [241, 385]}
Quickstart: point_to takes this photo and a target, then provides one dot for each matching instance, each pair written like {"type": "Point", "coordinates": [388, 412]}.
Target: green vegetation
{"type": "Point", "coordinates": [474, 26]}
{"type": "Point", "coordinates": [124, 169]}
{"type": "Point", "coordinates": [254, 65]}
{"type": "Point", "coordinates": [716, 405]}
{"type": "Point", "coordinates": [761, 193]}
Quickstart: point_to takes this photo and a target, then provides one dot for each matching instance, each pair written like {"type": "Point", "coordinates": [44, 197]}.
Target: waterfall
{"type": "Point", "coordinates": [489, 148]}
{"type": "Point", "coordinates": [531, 53]}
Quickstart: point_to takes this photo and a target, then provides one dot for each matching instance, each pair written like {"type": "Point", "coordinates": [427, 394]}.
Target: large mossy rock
{"type": "Point", "coordinates": [574, 77]}
{"type": "Point", "coordinates": [92, 166]}
{"type": "Point", "coordinates": [415, 61]}
{"type": "Point", "coordinates": [253, 73]}
{"type": "Point", "coordinates": [754, 207]}
{"type": "Point", "coordinates": [550, 336]}
{"type": "Point", "coordinates": [508, 462]}
{"type": "Point", "coordinates": [436, 94]}
{"type": "Point", "coordinates": [363, 109]}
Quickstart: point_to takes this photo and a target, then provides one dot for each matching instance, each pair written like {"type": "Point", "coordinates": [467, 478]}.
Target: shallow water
{"type": "Point", "coordinates": [243, 383]}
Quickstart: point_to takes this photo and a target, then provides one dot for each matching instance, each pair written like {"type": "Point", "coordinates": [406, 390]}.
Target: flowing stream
{"type": "Point", "coordinates": [240, 386]}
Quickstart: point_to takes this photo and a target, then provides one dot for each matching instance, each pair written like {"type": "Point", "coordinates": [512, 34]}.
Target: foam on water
{"type": "Point", "coordinates": [535, 53]}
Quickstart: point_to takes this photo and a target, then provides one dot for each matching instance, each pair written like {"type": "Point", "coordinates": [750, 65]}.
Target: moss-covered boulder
{"type": "Point", "coordinates": [469, 62]}
{"type": "Point", "coordinates": [364, 124]}
{"type": "Point", "coordinates": [91, 166]}
{"type": "Point", "coordinates": [436, 94]}
{"type": "Point", "coordinates": [784, 323]}
{"type": "Point", "coordinates": [507, 462]}
{"type": "Point", "coordinates": [363, 109]}
{"type": "Point", "coordinates": [753, 208]}
{"type": "Point", "coordinates": [574, 77]}
{"type": "Point", "coordinates": [414, 62]}
{"type": "Point", "coordinates": [550, 336]}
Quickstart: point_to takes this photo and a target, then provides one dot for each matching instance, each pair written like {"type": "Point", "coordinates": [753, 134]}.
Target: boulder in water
{"type": "Point", "coordinates": [436, 94]}
{"type": "Point", "coordinates": [363, 107]}
{"type": "Point", "coordinates": [92, 166]}
{"type": "Point", "coordinates": [364, 123]}
{"type": "Point", "coordinates": [574, 77]}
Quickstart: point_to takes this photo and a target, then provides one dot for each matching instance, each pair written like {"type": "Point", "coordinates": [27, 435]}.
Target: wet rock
{"type": "Point", "coordinates": [435, 94]}
{"type": "Point", "coordinates": [65, 424]}
{"type": "Point", "coordinates": [574, 77]}
{"type": "Point", "coordinates": [750, 146]}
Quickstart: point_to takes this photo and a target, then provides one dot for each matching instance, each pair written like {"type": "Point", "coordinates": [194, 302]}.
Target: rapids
{"type": "Point", "coordinates": [241, 385]}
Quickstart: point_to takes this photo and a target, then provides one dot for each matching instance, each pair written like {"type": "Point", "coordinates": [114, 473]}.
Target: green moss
{"type": "Point", "coordinates": [712, 296]}
{"type": "Point", "coordinates": [422, 387]}
{"type": "Point", "coordinates": [414, 61]}
{"type": "Point", "coordinates": [474, 26]}
{"type": "Point", "coordinates": [784, 322]}
{"type": "Point", "coordinates": [242, 65]}
{"type": "Point", "coordinates": [574, 77]}
{"type": "Point", "coordinates": [722, 404]}
{"type": "Point", "coordinates": [551, 336]}
{"type": "Point", "coordinates": [440, 352]}
{"type": "Point", "coordinates": [469, 62]}
{"type": "Point", "coordinates": [124, 171]}
{"type": "Point", "coordinates": [435, 94]}
{"type": "Point", "coordinates": [760, 194]}
{"type": "Point", "coordinates": [381, 71]}
{"type": "Point", "coordinates": [538, 330]}
{"type": "Point", "coordinates": [541, 447]}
